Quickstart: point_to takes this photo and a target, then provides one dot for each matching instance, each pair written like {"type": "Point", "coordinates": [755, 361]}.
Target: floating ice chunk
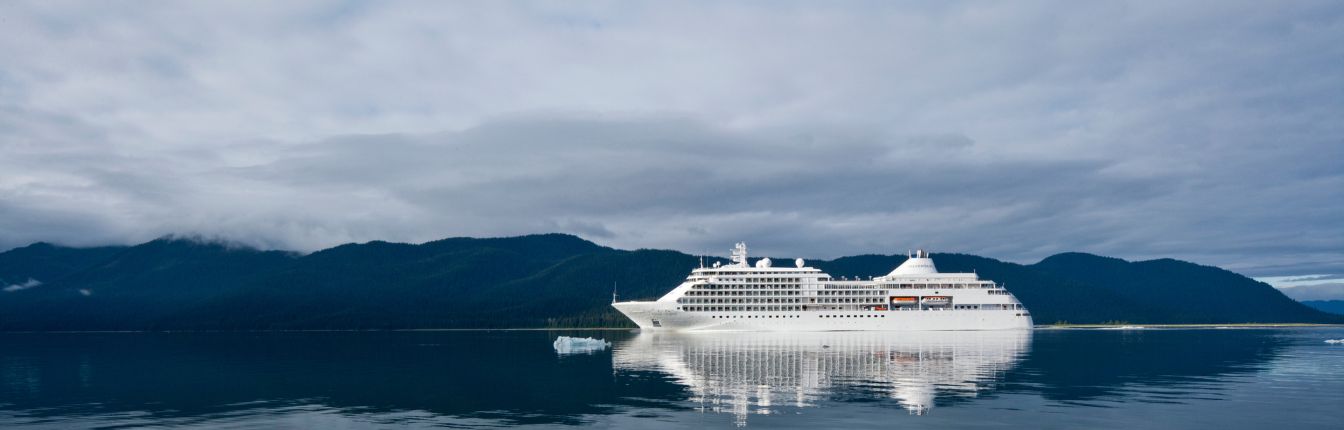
{"type": "Point", "coordinates": [579, 345]}
{"type": "Point", "coordinates": [23, 286]}
{"type": "Point", "coordinates": [1334, 341]}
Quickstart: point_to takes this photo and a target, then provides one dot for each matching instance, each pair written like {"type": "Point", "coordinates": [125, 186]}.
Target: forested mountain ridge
{"type": "Point", "coordinates": [529, 281]}
{"type": "Point", "coordinates": [1330, 306]}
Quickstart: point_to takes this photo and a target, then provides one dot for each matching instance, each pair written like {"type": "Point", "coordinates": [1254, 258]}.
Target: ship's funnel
{"type": "Point", "coordinates": [918, 264]}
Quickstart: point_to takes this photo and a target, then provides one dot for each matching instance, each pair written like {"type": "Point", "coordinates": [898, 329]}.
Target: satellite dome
{"type": "Point", "coordinates": [764, 262]}
{"type": "Point", "coordinates": [798, 262]}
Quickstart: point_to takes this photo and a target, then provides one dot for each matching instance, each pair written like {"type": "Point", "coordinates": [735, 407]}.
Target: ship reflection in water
{"type": "Point", "coordinates": [764, 373]}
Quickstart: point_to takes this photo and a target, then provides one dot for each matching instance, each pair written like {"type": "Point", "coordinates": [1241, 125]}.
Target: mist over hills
{"type": "Point", "coordinates": [548, 280]}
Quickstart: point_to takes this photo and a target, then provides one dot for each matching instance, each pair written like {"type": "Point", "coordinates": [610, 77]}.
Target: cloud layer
{"type": "Point", "coordinates": [1212, 132]}
{"type": "Point", "coordinates": [1309, 287]}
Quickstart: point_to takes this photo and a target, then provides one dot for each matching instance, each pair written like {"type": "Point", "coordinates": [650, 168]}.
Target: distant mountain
{"type": "Point", "coordinates": [1331, 306]}
{"type": "Point", "coordinates": [528, 281]}
{"type": "Point", "coordinates": [42, 261]}
{"type": "Point", "coordinates": [1175, 291]}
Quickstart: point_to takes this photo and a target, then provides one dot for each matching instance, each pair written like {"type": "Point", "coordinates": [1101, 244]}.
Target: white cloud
{"type": "Point", "coordinates": [1299, 280]}
{"type": "Point", "coordinates": [1320, 291]}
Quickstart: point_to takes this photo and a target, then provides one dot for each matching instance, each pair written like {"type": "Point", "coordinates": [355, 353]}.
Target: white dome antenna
{"type": "Point", "coordinates": [798, 262]}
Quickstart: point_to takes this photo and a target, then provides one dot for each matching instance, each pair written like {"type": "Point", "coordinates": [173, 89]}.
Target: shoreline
{"type": "Point", "coordinates": [352, 330]}
{"type": "Point", "coordinates": [1203, 326]}
{"type": "Point", "coordinates": [1037, 327]}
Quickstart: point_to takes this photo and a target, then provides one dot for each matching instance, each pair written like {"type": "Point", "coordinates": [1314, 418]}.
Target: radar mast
{"type": "Point", "coordinates": [740, 254]}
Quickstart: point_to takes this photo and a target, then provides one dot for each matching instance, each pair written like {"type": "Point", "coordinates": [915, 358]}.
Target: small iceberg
{"type": "Point", "coordinates": [1334, 341]}
{"type": "Point", "coordinates": [579, 345]}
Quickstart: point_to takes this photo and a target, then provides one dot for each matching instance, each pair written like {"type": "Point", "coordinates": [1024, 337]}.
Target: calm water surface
{"type": "Point", "coordinates": [1228, 378]}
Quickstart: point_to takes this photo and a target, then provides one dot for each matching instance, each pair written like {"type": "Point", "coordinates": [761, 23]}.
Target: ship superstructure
{"type": "Point", "coordinates": [760, 297]}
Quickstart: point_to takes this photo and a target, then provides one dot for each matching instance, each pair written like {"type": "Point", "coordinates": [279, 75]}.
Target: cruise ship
{"type": "Point", "coordinates": [760, 297]}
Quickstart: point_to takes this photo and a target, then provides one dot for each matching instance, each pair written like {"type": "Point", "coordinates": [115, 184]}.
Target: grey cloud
{"type": "Point", "coordinates": [1016, 131]}
{"type": "Point", "coordinates": [1321, 291]}
{"type": "Point", "coordinates": [644, 182]}
{"type": "Point", "coordinates": [591, 230]}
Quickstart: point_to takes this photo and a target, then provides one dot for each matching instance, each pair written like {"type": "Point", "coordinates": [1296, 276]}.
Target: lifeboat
{"type": "Point", "coordinates": [936, 300]}
{"type": "Point", "coordinates": [904, 301]}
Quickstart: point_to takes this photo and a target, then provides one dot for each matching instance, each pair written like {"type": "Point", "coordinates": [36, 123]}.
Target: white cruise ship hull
{"type": "Point", "coordinates": [760, 297]}
{"type": "Point", "coordinates": [655, 316]}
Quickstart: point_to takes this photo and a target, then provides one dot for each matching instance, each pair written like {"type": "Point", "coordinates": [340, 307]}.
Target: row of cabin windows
{"type": "Point", "coordinates": [743, 293]}
{"type": "Point", "coordinates": [794, 316]}
{"type": "Point", "coordinates": [762, 280]}
{"type": "Point", "coordinates": [956, 308]}
{"type": "Point", "coordinates": [740, 308]}
{"type": "Point", "coordinates": [745, 287]}
{"type": "Point", "coordinates": [729, 285]}
{"type": "Point", "coordinates": [858, 300]}
{"type": "Point", "coordinates": [990, 307]}
{"type": "Point", "coordinates": [947, 286]}
{"type": "Point", "coordinates": [908, 286]}
{"type": "Point", "coordinates": [852, 293]}
{"type": "Point", "coordinates": [735, 273]}
{"type": "Point", "coordinates": [699, 300]}
{"type": "Point", "coordinates": [695, 308]}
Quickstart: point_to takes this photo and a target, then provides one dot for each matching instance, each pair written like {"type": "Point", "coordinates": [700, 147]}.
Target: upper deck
{"type": "Point", "coordinates": [916, 272]}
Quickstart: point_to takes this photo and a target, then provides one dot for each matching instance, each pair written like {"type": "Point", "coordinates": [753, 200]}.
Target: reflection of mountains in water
{"type": "Point", "coordinates": [753, 373]}
{"type": "Point", "coordinates": [515, 378]}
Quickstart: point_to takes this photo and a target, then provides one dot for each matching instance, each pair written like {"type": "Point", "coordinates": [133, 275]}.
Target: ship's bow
{"type": "Point", "coordinates": [647, 315]}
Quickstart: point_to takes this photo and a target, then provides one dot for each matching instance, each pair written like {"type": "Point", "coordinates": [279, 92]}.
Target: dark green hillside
{"type": "Point", "coordinates": [1330, 306]}
{"type": "Point", "coordinates": [1173, 291]}
{"type": "Point", "coordinates": [453, 283]}
{"type": "Point", "coordinates": [44, 262]}
{"type": "Point", "coordinates": [529, 281]}
{"type": "Point", "coordinates": [135, 287]}
{"type": "Point", "coordinates": [381, 285]}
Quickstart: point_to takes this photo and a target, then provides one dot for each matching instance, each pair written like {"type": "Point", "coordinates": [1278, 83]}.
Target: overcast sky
{"type": "Point", "coordinates": [1206, 131]}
